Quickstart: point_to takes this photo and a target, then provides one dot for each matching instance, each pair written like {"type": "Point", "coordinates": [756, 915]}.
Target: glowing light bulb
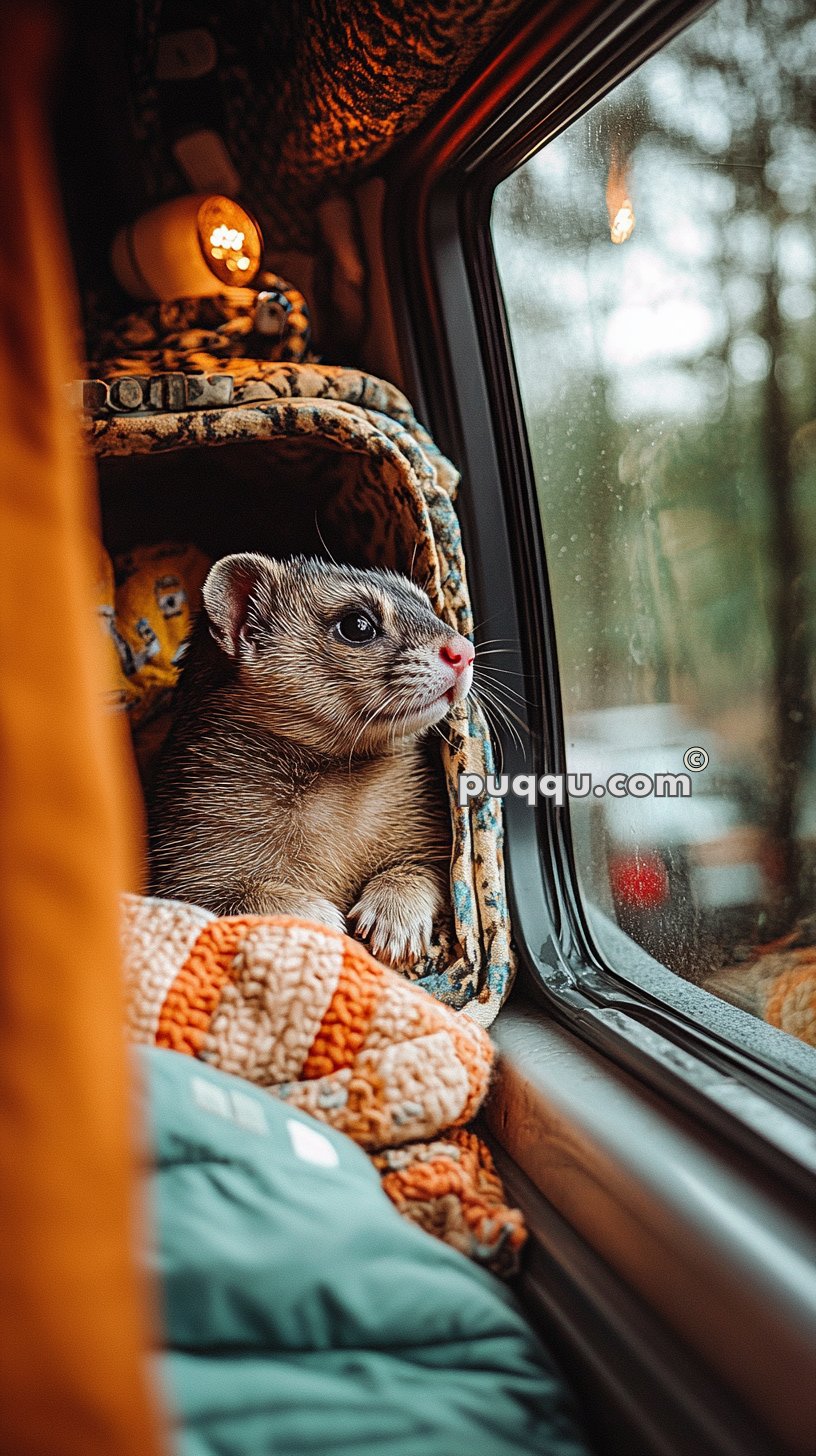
{"type": "Point", "coordinates": [230, 240]}
{"type": "Point", "coordinates": [618, 202]}
{"type": "Point", "coordinates": [622, 225]}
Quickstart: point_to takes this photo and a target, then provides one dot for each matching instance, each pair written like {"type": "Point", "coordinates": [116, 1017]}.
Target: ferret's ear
{"type": "Point", "coordinates": [239, 595]}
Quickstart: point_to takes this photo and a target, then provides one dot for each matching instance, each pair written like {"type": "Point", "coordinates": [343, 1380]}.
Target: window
{"type": "Point", "coordinates": [658, 263]}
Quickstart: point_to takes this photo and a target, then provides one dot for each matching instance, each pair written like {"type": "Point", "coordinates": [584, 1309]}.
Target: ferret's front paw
{"type": "Point", "coordinates": [395, 914]}
{"type": "Point", "coordinates": [323, 911]}
{"type": "Point", "coordinates": [288, 900]}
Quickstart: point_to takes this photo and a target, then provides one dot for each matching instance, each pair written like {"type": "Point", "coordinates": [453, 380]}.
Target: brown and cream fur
{"type": "Point", "coordinates": [297, 779]}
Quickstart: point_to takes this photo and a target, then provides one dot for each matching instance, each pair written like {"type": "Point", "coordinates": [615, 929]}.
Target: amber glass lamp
{"type": "Point", "coordinates": [187, 248]}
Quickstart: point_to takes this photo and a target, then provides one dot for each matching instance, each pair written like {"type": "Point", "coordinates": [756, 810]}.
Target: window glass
{"type": "Point", "coordinates": [658, 261]}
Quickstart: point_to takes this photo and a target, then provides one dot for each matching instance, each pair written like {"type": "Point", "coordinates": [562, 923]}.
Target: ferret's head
{"type": "Point", "coordinates": [338, 660]}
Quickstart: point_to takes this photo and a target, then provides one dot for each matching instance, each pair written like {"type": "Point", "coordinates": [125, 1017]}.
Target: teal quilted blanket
{"type": "Point", "coordinates": [302, 1316]}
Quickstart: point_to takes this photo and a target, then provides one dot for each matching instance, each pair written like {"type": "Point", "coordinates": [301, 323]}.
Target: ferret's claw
{"type": "Point", "coordinates": [395, 914]}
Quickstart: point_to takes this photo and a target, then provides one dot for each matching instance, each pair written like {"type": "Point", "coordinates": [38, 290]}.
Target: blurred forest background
{"type": "Point", "coordinates": [669, 385]}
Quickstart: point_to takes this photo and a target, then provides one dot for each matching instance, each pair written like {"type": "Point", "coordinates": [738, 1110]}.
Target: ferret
{"type": "Point", "coordinates": [297, 779]}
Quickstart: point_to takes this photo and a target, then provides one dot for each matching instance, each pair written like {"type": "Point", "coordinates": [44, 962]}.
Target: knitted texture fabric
{"type": "Point", "coordinates": [308, 1014]}
{"type": "Point", "coordinates": [778, 984]}
{"type": "Point", "coordinates": [351, 443]}
{"type": "Point", "coordinates": [451, 1189]}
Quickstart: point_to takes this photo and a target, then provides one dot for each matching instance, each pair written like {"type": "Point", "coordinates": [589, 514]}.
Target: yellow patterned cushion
{"type": "Point", "coordinates": [147, 606]}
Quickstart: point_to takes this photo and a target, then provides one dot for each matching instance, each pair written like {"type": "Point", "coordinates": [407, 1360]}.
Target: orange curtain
{"type": "Point", "coordinates": [74, 1319]}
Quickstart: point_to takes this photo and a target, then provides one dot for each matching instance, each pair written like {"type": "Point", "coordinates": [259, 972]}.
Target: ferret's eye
{"type": "Point", "coordinates": [357, 628]}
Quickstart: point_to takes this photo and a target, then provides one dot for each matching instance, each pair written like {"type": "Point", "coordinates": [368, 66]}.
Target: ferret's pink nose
{"type": "Point", "coordinates": [457, 652]}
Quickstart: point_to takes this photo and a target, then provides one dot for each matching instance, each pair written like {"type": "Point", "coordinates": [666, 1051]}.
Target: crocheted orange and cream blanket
{"type": "Point", "coordinates": [307, 1013]}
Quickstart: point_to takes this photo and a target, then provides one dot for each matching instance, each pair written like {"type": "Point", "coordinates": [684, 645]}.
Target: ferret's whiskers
{"type": "Point", "coordinates": [448, 742]}
{"type": "Point", "coordinates": [506, 671]}
{"type": "Point", "coordinates": [500, 692]}
{"type": "Point", "coordinates": [494, 709]}
{"type": "Point", "coordinates": [400, 721]}
{"type": "Point", "coordinates": [376, 708]}
{"type": "Point", "coordinates": [515, 717]}
{"type": "Point", "coordinates": [503, 713]}
{"type": "Point", "coordinates": [488, 642]}
{"type": "Point", "coordinates": [437, 728]}
{"type": "Point", "coordinates": [504, 687]}
{"type": "Point", "coordinates": [504, 719]}
{"type": "Point", "coordinates": [484, 620]}
{"type": "Point", "coordinates": [322, 540]}
{"type": "Point", "coordinates": [492, 652]}
{"type": "Point", "coordinates": [494, 731]}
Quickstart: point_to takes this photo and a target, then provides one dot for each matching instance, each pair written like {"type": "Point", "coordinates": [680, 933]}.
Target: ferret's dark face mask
{"type": "Point", "coordinates": [339, 660]}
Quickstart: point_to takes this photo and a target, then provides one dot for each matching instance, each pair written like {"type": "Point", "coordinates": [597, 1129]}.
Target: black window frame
{"type": "Point", "coordinates": [746, 1080]}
